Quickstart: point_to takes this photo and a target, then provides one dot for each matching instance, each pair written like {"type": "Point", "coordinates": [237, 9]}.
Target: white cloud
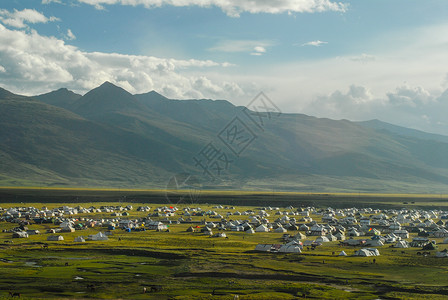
{"type": "Point", "coordinates": [409, 106]}
{"type": "Point", "coordinates": [70, 36]}
{"type": "Point", "coordinates": [34, 64]}
{"type": "Point", "coordinates": [2, 69]}
{"type": "Point", "coordinates": [410, 97]}
{"type": "Point", "coordinates": [316, 43]}
{"type": "Point", "coordinates": [255, 47]}
{"type": "Point", "coordinates": [19, 18]}
{"type": "Point", "coordinates": [234, 8]}
{"type": "Point", "coordinates": [258, 51]}
{"type": "Point", "coordinates": [364, 58]}
{"type": "Point", "coordinates": [50, 1]}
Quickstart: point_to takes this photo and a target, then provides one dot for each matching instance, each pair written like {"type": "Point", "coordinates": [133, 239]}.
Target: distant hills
{"type": "Point", "coordinates": [111, 138]}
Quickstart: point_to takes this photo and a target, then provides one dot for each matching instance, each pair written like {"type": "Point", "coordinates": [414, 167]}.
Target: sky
{"type": "Point", "coordinates": [355, 60]}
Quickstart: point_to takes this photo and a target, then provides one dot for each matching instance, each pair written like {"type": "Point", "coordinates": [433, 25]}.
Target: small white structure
{"type": "Point", "coordinates": [441, 233]}
{"type": "Point", "coordinates": [262, 228]}
{"type": "Point", "coordinates": [374, 243]}
{"type": "Point", "coordinates": [443, 253]}
{"type": "Point", "coordinates": [55, 238]}
{"type": "Point", "coordinates": [263, 247]}
{"type": "Point", "coordinates": [155, 225]}
{"type": "Point", "coordinates": [401, 244]}
{"type": "Point", "coordinates": [290, 249]}
{"type": "Point", "coordinates": [79, 239]}
{"type": "Point", "coordinates": [20, 234]}
{"type": "Point", "coordinates": [280, 230]}
{"type": "Point", "coordinates": [404, 234]}
{"type": "Point", "coordinates": [322, 239]}
{"type": "Point", "coordinates": [367, 252]}
{"type": "Point", "coordinates": [98, 237]}
{"type": "Point", "coordinates": [342, 253]}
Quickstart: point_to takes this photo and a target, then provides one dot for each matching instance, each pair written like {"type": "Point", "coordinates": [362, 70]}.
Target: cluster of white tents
{"type": "Point", "coordinates": [291, 247]}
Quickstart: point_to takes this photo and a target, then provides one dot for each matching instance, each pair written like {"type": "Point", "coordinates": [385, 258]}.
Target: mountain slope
{"type": "Point", "coordinates": [110, 137]}
{"type": "Point", "coordinates": [403, 131]}
{"type": "Point", "coordinates": [61, 98]}
{"type": "Point", "coordinates": [43, 143]}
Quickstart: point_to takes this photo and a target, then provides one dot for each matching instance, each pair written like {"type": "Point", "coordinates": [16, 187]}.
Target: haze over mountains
{"type": "Point", "coordinates": [111, 138]}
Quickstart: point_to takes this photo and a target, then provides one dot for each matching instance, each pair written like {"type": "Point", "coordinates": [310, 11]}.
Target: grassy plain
{"type": "Point", "coordinates": [194, 266]}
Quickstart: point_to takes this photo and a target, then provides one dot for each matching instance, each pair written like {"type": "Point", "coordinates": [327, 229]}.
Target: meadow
{"type": "Point", "coordinates": [190, 265]}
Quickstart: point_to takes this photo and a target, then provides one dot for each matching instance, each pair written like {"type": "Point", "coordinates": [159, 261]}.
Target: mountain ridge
{"type": "Point", "coordinates": [109, 137]}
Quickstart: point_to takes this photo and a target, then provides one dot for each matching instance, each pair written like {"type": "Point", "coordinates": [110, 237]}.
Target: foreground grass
{"type": "Point", "coordinates": [192, 266]}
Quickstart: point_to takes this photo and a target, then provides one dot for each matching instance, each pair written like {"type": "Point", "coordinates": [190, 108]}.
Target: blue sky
{"type": "Point", "coordinates": [356, 60]}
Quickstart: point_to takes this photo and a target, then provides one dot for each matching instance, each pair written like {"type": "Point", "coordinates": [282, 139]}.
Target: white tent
{"type": "Point", "coordinates": [367, 252]}
{"type": "Point", "coordinates": [55, 238]}
{"type": "Point", "coordinates": [79, 239]}
{"type": "Point", "coordinates": [300, 236]}
{"type": "Point", "coordinates": [322, 239]}
{"type": "Point", "coordinates": [250, 230]}
{"type": "Point", "coordinates": [342, 253]}
{"type": "Point", "coordinates": [443, 253]}
{"type": "Point", "coordinates": [331, 237]}
{"type": "Point", "coordinates": [263, 247]}
{"type": "Point", "coordinates": [290, 249]}
{"type": "Point", "coordinates": [340, 236]}
{"type": "Point", "coordinates": [308, 243]}
{"type": "Point", "coordinates": [295, 242]}
{"type": "Point", "coordinates": [280, 230]}
{"type": "Point", "coordinates": [98, 237]}
{"type": "Point", "coordinates": [374, 243]}
{"type": "Point", "coordinates": [442, 232]}
{"type": "Point", "coordinates": [401, 244]}
{"type": "Point", "coordinates": [261, 228]}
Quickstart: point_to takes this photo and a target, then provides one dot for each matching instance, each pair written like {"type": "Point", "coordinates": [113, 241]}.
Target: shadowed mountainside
{"type": "Point", "coordinates": [111, 138]}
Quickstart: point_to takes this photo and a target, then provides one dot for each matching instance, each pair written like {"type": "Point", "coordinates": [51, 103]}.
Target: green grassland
{"type": "Point", "coordinates": [194, 266]}
{"type": "Point", "coordinates": [230, 197]}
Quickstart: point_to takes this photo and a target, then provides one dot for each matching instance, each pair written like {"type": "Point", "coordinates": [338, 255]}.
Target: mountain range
{"type": "Point", "coordinates": [112, 138]}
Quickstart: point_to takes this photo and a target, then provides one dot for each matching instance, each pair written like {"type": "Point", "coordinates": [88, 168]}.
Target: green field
{"type": "Point", "coordinates": [190, 265]}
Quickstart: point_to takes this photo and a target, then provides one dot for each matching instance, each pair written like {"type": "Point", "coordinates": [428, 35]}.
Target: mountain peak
{"type": "Point", "coordinates": [107, 84]}
{"type": "Point", "coordinates": [106, 98]}
{"type": "Point", "coordinates": [62, 98]}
